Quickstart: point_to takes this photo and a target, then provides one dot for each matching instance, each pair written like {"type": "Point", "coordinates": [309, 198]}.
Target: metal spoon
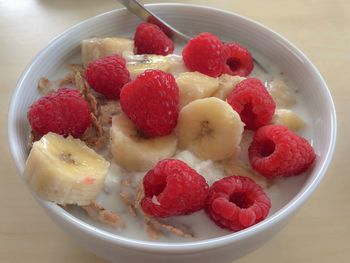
{"type": "Point", "coordinates": [142, 12]}
{"type": "Point", "coordinates": [139, 10]}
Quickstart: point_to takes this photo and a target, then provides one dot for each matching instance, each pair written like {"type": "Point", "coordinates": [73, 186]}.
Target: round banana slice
{"type": "Point", "coordinates": [227, 83]}
{"type": "Point", "coordinates": [134, 152]}
{"type": "Point", "coordinates": [195, 85]}
{"type": "Point", "coordinates": [65, 170]}
{"type": "Point", "coordinates": [288, 118]}
{"type": "Point", "coordinates": [210, 128]}
{"type": "Point", "coordinates": [95, 48]}
{"type": "Point", "coordinates": [281, 93]}
{"type": "Point", "coordinates": [137, 64]}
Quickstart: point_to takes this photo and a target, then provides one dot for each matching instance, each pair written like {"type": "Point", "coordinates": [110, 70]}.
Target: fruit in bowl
{"type": "Point", "coordinates": [111, 236]}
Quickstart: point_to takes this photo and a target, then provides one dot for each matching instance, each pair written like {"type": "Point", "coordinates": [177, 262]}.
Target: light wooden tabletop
{"type": "Point", "coordinates": [319, 233]}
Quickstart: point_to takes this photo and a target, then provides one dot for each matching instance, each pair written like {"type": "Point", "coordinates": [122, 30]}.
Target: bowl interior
{"type": "Point", "coordinates": [266, 45]}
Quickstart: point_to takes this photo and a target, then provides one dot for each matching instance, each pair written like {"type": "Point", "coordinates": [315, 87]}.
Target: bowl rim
{"type": "Point", "coordinates": [194, 246]}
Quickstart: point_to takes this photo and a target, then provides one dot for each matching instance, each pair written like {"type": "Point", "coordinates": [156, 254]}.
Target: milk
{"type": "Point", "coordinates": [198, 223]}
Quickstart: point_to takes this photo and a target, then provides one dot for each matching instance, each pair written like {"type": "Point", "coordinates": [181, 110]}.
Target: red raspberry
{"type": "Point", "coordinates": [173, 188]}
{"type": "Point", "coordinates": [151, 101]}
{"type": "Point", "coordinates": [205, 53]}
{"type": "Point", "coordinates": [240, 61]}
{"type": "Point", "coordinates": [64, 112]}
{"type": "Point", "coordinates": [253, 103]}
{"type": "Point", "coordinates": [153, 20]}
{"type": "Point", "coordinates": [237, 202]}
{"type": "Point", "coordinates": [108, 75]}
{"type": "Point", "coordinates": [276, 151]}
{"type": "Point", "coordinates": [150, 39]}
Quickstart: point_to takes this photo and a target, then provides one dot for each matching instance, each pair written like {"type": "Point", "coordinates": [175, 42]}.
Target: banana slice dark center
{"type": "Point", "coordinates": [67, 157]}
{"type": "Point", "coordinates": [205, 130]}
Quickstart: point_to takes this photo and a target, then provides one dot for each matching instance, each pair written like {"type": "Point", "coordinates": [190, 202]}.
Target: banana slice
{"type": "Point", "coordinates": [195, 85]}
{"type": "Point", "coordinates": [288, 118]}
{"type": "Point", "coordinates": [227, 83]}
{"type": "Point", "coordinates": [137, 64]}
{"type": "Point", "coordinates": [94, 48]}
{"type": "Point", "coordinates": [135, 153]}
{"type": "Point", "coordinates": [65, 170]}
{"type": "Point", "coordinates": [280, 93]}
{"type": "Point", "coordinates": [177, 65]}
{"type": "Point", "coordinates": [210, 128]}
{"type": "Point", "coordinates": [233, 166]}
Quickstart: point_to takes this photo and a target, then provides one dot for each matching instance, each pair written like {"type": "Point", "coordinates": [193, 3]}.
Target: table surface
{"type": "Point", "coordinates": [320, 232]}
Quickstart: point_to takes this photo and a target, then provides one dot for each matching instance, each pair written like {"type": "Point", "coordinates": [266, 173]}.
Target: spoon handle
{"type": "Point", "coordinates": [139, 10]}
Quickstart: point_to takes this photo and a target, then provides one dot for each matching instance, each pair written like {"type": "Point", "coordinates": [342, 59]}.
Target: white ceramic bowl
{"type": "Point", "coordinates": [275, 48]}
